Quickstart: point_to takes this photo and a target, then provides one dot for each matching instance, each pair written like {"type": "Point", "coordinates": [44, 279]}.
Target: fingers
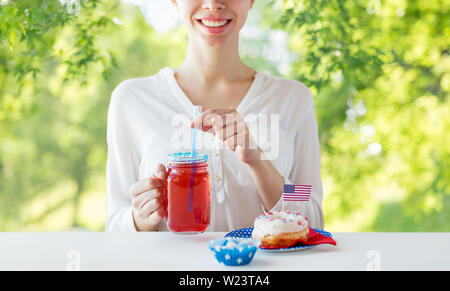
{"type": "Point", "coordinates": [149, 215]}
{"type": "Point", "coordinates": [230, 128]}
{"type": "Point", "coordinates": [207, 119]}
{"type": "Point", "coordinates": [160, 172]}
{"type": "Point", "coordinates": [151, 206]}
{"type": "Point", "coordinates": [156, 216]}
{"type": "Point", "coordinates": [227, 125]}
{"type": "Point", "coordinates": [240, 139]}
{"type": "Point", "coordinates": [234, 129]}
{"type": "Point", "coordinates": [226, 120]}
{"type": "Point", "coordinates": [145, 185]}
{"type": "Point", "coordinates": [139, 201]}
{"type": "Point", "coordinates": [221, 122]}
{"type": "Point", "coordinates": [146, 199]}
{"type": "Point", "coordinates": [156, 181]}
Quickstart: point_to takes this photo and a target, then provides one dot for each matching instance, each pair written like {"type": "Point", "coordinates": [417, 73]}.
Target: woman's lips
{"type": "Point", "coordinates": [214, 25]}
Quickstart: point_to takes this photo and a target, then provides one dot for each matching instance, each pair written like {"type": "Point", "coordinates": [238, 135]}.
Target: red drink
{"type": "Point", "coordinates": [187, 193]}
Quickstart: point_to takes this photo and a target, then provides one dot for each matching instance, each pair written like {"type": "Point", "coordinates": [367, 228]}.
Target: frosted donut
{"type": "Point", "coordinates": [280, 229]}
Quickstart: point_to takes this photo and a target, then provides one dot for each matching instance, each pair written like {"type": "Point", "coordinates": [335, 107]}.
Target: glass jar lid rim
{"type": "Point", "coordinates": [187, 158]}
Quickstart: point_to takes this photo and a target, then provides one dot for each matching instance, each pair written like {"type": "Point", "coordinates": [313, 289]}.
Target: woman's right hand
{"type": "Point", "coordinates": [146, 199]}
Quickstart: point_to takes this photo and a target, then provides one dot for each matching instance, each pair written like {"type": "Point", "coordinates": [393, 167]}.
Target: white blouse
{"type": "Point", "coordinates": [149, 118]}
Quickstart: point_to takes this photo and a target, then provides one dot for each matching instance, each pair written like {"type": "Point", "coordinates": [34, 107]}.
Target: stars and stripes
{"type": "Point", "coordinates": [296, 192]}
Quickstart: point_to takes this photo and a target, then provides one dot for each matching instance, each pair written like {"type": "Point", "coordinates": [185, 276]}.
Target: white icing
{"type": "Point", "coordinates": [278, 222]}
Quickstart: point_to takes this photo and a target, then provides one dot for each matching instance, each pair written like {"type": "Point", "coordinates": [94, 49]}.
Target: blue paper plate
{"type": "Point", "coordinates": [247, 233]}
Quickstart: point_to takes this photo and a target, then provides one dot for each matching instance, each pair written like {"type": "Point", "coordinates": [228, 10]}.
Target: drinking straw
{"type": "Point", "coordinates": [194, 133]}
{"type": "Point", "coordinates": [193, 154]}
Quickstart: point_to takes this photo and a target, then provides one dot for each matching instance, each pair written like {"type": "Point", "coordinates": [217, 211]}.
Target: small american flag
{"type": "Point", "coordinates": [296, 192]}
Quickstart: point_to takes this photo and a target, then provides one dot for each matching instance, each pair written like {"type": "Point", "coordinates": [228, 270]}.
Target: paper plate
{"type": "Point", "coordinates": [247, 233]}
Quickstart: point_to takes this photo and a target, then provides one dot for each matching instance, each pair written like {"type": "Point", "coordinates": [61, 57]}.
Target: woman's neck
{"type": "Point", "coordinates": [208, 64]}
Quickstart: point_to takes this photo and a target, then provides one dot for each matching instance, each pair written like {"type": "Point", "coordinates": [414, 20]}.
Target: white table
{"type": "Point", "coordinates": [167, 251]}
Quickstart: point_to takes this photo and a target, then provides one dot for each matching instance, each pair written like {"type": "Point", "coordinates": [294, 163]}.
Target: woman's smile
{"type": "Point", "coordinates": [212, 25]}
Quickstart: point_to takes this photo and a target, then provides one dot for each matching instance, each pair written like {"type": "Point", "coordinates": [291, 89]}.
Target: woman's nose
{"type": "Point", "coordinates": [214, 4]}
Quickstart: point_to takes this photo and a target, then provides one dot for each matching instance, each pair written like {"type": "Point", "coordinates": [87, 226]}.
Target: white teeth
{"type": "Point", "coordinates": [214, 23]}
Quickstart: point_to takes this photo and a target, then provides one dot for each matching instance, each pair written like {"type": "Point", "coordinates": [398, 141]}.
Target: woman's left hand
{"type": "Point", "coordinates": [229, 127]}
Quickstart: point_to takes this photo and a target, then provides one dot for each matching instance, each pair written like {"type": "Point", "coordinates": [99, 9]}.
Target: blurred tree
{"type": "Point", "coordinates": [379, 70]}
{"type": "Point", "coordinates": [28, 36]}
{"type": "Point", "coordinates": [53, 120]}
{"type": "Point", "coordinates": [39, 42]}
{"type": "Point", "coordinates": [380, 73]}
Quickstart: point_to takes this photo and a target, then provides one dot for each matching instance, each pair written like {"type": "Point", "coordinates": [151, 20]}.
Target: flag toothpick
{"type": "Point", "coordinates": [296, 193]}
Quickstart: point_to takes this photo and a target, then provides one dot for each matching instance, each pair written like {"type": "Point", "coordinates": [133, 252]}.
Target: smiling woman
{"type": "Point", "coordinates": [384, 167]}
{"type": "Point", "coordinates": [247, 180]}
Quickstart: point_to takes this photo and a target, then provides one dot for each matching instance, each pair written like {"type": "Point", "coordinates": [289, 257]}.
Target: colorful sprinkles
{"type": "Point", "coordinates": [269, 216]}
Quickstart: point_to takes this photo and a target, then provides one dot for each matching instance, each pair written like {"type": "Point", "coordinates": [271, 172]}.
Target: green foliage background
{"type": "Point", "coordinates": [379, 70]}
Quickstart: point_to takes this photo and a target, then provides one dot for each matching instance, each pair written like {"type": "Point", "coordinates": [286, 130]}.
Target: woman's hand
{"type": "Point", "coordinates": [146, 199]}
{"type": "Point", "coordinates": [229, 127]}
